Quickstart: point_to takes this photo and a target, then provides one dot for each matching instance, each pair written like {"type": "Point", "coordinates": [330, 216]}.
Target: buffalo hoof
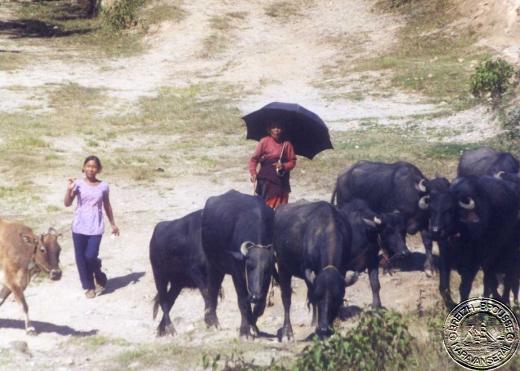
{"type": "Point", "coordinates": [212, 321]}
{"type": "Point", "coordinates": [31, 331]}
{"type": "Point", "coordinates": [168, 330]}
{"type": "Point", "coordinates": [247, 333]}
{"type": "Point", "coordinates": [285, 334]}
{"type": "Point", "coordinates": [429, 271]}
{"type": "Point", "coordinates": [255, 331]}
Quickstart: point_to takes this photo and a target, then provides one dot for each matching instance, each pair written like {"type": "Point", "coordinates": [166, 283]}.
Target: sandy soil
{"type": "Point", "coordinates": [263, 54]}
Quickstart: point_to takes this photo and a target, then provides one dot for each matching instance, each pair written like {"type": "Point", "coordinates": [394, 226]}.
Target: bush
{"type": "Point", "coordinates": [122, 15]}
{"type": "Point", "coordinates": [491, 77]}
{"type": "Point", "coordinates": [381, 341]}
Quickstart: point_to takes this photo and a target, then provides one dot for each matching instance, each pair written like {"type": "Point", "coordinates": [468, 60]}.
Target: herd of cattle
{"type": "Point", "coordinates": [474, 219]}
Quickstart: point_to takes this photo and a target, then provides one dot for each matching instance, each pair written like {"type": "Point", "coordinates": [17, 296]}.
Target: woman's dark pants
{"type": "Point", "coordinates": [86, 250]}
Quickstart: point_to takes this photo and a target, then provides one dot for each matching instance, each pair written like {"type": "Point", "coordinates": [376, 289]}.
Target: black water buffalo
{"type": "Point", "coordinates": [178, 261]}
{"type": "Point", "coordinates": [486, 161]}
{"type": "Point", "coordinates": [237, 233]}
{"type": "Point", "coordinates": [387, 187]}
{"type": "Point", "coordinates": [372, 232]}
{"type": "Point", "coordinates": [311, 241]}
{"type": "Point", "coordinates": [475, 222]}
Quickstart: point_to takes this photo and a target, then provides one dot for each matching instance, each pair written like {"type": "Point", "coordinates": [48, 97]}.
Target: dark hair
{"type": "Point", "coordinates": [95, 159]}
{"type": "Point", "coordinates": [273, 123]}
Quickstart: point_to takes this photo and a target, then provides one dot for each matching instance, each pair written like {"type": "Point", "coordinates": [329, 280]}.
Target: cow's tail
{"type": "Point", "coordinates": [155, 306]}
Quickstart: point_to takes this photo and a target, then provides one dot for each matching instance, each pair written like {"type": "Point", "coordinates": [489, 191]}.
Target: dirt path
{"type": "Point", "coordinates": [270, 60]}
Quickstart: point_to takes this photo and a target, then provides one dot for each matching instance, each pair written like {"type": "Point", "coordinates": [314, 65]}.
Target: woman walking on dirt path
{"type": "Point", "coordinates": [277, 158]}
{"type": "Point", "coordinates": [88, 225]}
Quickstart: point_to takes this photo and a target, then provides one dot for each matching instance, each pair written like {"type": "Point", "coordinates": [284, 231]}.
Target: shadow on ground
{"type": "Point", "coordinates": [117, 283]}
{"type": "Point", "coordinates": [52, 26]}
{"type": "Point", "coordinates": [45, 327]}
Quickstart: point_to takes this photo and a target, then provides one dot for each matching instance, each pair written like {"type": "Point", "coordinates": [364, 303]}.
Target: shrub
{"type": "Point", "coordinates": [491, 77]}
{"type": "Point", "coordinates": [122, 15]}
{"type": "Point", "coordinates": [381, 341]}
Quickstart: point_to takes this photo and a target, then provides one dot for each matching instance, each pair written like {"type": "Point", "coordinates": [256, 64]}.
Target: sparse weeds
{"type": "Point", "coordinates": [221, 33]}
{"type": "Point", "coordinates": [430, 57]}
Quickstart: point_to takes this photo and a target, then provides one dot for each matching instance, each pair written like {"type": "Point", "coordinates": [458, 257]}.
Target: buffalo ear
{"type": "Point", "coordinates": [237, 255]}
{"type": "Point", "coordinates": [310, 276]}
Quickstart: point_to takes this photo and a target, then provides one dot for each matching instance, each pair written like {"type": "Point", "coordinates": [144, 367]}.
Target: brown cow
{"type": "Point", "coordinates": [22, 254]}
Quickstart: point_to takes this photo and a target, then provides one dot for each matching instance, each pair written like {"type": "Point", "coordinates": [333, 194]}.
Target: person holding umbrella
{"type": "Point", "coordinates": [277, 158]}
{"type": "Point", "coordinates": [303, 133]}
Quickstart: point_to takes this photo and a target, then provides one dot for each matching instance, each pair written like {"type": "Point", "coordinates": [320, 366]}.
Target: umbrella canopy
{"type": "Point", "coordinates": [304, 129]}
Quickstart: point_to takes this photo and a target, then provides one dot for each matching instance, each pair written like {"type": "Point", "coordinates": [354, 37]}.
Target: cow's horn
{"type": "Point", "coordinates": [470, 205]}
{"type": "Point", "coordinates": [377, 220]}
{"type": "Point", "coordinates": [423, 202]}
{"type": "Point", "coordinates": [270, 246]}
{"type": "Point", "coordinates": [244, 248]}
{"type": "Point", "coordinates": [500, 174]}
{"type": "Point", "coordinates": [52, 231]}
{"type": "Point", "coordinates": [310, 275]}
{"type": "Point", "coordinates": [351, 277]}
{"type": "Point", "coordinates": [421, 186]}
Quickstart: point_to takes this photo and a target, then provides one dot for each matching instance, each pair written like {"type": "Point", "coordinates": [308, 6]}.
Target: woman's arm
{"type": "Point", "coordinates": [255, 158]}
{"type": "Point", "coordinates": [69, 193]}
{"type": "Point", "coordinates": [110, 214]}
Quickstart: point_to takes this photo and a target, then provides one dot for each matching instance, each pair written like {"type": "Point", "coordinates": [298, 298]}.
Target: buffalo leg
{"type": "Point", "coordinates": [428, 247]}
{"type": "Point", "coordinates": [373, 275]}
{"type": "Point", "coordinates": [491, 285]}
{"type": "Point", "coordinates": [444, 274]}
{"type": "Point", "coordinates": [467, 277]}
{"type": "Point", "coordinates": [166, 303]}
{"type": "Point", "coordinates": [4, 294]}
{"type": "Point", "coordinates": [258, 310]}
{"type": "Point", "coordinates": [286, 332]}
{"type": "Point", "coordinates": [243, 304]}
{"type": "Point", "coordinates": [210, 300]}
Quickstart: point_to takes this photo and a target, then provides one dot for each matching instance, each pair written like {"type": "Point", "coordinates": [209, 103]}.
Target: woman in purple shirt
{"type": "Point", "coordinates": [88, 225]}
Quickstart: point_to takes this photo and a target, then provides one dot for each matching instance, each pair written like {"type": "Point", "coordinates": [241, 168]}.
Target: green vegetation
{"type": "Point", "coordinates": [221, 33]}
{"type": "Point", "coordinates": [380, 341]}
{"type": "Point", "coordinates": [283, 10]}
{"type": "Point", "coordinates": [491, 77]}
{"type": "Point", "coordinates": [117, 32]}
{"type": "Point", "coordinates": [429, 57]}
{"type": "Point", "coordinates": [123, 14]}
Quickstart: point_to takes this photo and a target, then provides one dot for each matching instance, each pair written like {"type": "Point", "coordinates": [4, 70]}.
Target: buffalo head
{"type": "Point", "coordinates": [258, 268]}
{"type": "Point", "coordinates": [326, 291]}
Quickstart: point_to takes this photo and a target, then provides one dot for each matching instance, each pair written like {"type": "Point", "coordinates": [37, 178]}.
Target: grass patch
{"type": "Point", "coordinates": [64, 25]}
{"type": "Point", "coordinates": [221, 33]}
{"type": "Point", "coordinates": [430, 57]}
{"type": "Point", "coordinates": [96, 341]}
{"type": "Point", "coordinates": [284, 10]}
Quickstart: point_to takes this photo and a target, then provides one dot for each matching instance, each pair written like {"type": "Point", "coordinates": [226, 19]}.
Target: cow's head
{"type": "Point", "coordinates": [472, 208]}
{"type": "Point", "coordinates": [47, 255]}
{"type": "Point", "coordinates": [326, 291]}
{"type": "Point", "coordinates": [258, 268]}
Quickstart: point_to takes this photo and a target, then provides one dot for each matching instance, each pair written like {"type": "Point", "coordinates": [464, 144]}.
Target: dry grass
{"type": "Point", "coordinates": [221, 35]}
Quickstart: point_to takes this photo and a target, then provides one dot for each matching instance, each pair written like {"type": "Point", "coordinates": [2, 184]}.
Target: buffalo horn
{"type": "Point", "coordinates": [420, 186]}
{"type": "Point", "coordinates": [499, 175]}
{"type": "Point", "coordinates": [470, 205]}
{"type": "Point", "coordinates": [423, 202]}
{"type": "Point", "coordinates": [310, 276]}
{"type": "Point", "coordinates": [369, 222]}
{"type": "Point", "coordinates": [244, 248]}
{"type": "Point", "coordinates": [377, 220]}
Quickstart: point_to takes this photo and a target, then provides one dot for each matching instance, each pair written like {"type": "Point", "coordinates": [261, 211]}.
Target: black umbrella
{"type": "Point", "coordinates": [304, 129]}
